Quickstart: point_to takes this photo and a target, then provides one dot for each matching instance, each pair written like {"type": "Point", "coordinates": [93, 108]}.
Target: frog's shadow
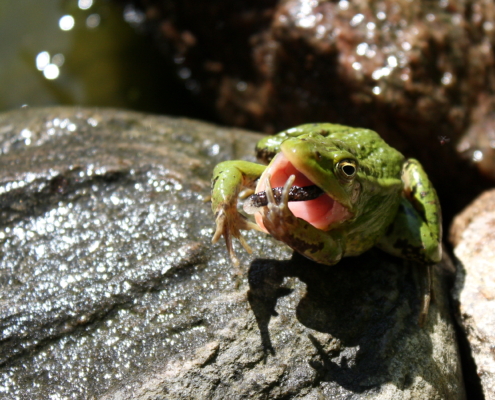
{"type": "Point", "coordinates": [365, 302]}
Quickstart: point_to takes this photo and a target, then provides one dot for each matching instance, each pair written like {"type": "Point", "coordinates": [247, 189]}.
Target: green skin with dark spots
{"type": "Point", "coordinates": [390, 200]}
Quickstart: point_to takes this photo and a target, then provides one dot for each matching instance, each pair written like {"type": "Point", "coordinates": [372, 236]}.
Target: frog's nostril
{"type": "Point", "coordinates": [317, 155]}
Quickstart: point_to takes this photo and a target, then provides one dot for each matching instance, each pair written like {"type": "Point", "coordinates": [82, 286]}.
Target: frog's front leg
{"type": "Point", "coordinates": [315, 244]}
{"type": "Point", "coordinates": [416, 232]}
{"type": "Point", "coordinates": [229, 178]}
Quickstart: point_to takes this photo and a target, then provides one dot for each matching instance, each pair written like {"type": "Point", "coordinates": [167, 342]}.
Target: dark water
{"type": "Point", "coordinates": [83, 52]}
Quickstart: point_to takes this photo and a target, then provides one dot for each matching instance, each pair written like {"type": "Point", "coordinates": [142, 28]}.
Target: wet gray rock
{"type": "Point", "coordinates": [110, 288]}
{"type": "Point", "coordinates": [474, 239]}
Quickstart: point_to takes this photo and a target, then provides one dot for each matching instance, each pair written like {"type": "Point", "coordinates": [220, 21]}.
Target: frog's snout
{"type": "Point", "coordinates": [296, 148]}
{"type": "Point", "coordinates": [311, 150]}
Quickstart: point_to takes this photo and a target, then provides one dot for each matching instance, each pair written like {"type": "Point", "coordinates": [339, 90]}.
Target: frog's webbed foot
{"type": "Point", "coordinates": [229, 224]}
{"type": "Point", "coordinates": [278, 217]}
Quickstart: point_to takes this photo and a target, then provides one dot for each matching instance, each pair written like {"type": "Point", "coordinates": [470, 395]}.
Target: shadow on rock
{"type": "Point", "coordinates": [265, 288]}
{"type": "Point", "coordinates": [362, 316]}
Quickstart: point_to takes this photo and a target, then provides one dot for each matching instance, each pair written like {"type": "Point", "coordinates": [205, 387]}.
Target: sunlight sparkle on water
{"type": "Point", "coordinates": [58, 59]}
{"type": "Point", "coordinates": [51, 68]}
{"type": "Point", "coordinates": [84, 4]}
{"type": "Point", "coordinates": [51, 71]}
{"type": "Point", "coordinates": [66, 23]}
{"type": "Point", "coordinates": [93, 20]}
{"type": "Point", "coordinates": [42, 60]}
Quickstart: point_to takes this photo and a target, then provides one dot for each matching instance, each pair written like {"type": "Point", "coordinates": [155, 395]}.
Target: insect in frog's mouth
{"type": "Point", "coordinates": [296, 193]}
{"type": "Point", "coordinates": [306, 200]}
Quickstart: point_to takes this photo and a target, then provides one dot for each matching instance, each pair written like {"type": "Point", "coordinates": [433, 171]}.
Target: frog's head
{"type": "Point", "coordinates": [317, 160]}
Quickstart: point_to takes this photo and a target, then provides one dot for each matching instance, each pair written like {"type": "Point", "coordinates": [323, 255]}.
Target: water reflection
{"type": "Point", "coordinates": [50, 69]}
{"type": "Point", "coordinates": [84, 4]}
{"type": "Point", "coordinates": [58, 59]}
{"type": "Point", "coordinates": [55, 53]}
{"type": "Point", "coordinates": [66, 23]}
{"type": "Point", "coordinates": [83, 52]}
{"type": "Point", "coordinates": [42, 60]}
{"type": "Point", "coordinates": [93, 21]}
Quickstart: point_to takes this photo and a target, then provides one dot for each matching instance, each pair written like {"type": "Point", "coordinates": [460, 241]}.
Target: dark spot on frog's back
{"type": "Point", "coordinates": [408, 251]}
{"type": "Point", "coordinates": [324, 132]}
{"type": "Point", "coordinates": [265, 155]}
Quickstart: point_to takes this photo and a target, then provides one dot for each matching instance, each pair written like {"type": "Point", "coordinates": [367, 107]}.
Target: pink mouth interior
{"type": "Point", "coordinates": [320, 212]}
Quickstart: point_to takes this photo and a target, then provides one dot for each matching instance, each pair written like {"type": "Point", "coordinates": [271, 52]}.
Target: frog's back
{"type": "Point", "coordinates": [376, 158]}
{"type": "Point", "coordinates": [375, 155]}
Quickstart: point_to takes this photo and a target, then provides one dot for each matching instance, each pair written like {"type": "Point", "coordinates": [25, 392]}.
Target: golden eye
{"type": "Point", "coordinates": [347, 168]}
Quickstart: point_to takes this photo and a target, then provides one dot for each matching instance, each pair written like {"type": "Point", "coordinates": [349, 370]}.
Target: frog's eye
{"type": "Point", "coordinates": [347, 169]}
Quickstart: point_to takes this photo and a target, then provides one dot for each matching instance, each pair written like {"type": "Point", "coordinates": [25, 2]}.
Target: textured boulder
{"type": "Point", "coordinates": [473, 236]}
{"type": "Point", "coordinates": [111, 289]}
{"type": "Point", "coordinates": [396, 65]}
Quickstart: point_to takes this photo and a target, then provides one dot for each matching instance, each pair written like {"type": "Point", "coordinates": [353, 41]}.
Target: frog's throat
{"type": "Point", "coordinates": [323, 213]}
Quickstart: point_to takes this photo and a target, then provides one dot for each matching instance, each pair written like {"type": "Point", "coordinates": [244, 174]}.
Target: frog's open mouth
{"type": "Point", "coordinates": [308, 202]}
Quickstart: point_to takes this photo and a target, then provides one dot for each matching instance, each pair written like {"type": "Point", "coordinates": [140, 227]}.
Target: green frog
{"type": "Point", "coordinates": [367, 194]}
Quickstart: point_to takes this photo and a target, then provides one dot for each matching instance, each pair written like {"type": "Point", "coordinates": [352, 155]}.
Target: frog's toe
{"type": "Point", "coordinates": [229, 225]}
{"type": "Point", "coordinates": [278, 219]}
{"type": "Point", "coordinates": [268, 190]}
{"type": "Point", "coordinates": [220, 226]}
{"type": "Point", "coordinates": [224, 229]}
{"type": "Point", "coordinates": [286, 191]}
{"type": "Point", "coordinates": [231, 222]}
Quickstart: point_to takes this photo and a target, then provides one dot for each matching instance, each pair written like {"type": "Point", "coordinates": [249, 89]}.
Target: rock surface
{"type": "Point", "coordinates": [473, 236]}
{"type": "Point", "coordinates": [110, 288]}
